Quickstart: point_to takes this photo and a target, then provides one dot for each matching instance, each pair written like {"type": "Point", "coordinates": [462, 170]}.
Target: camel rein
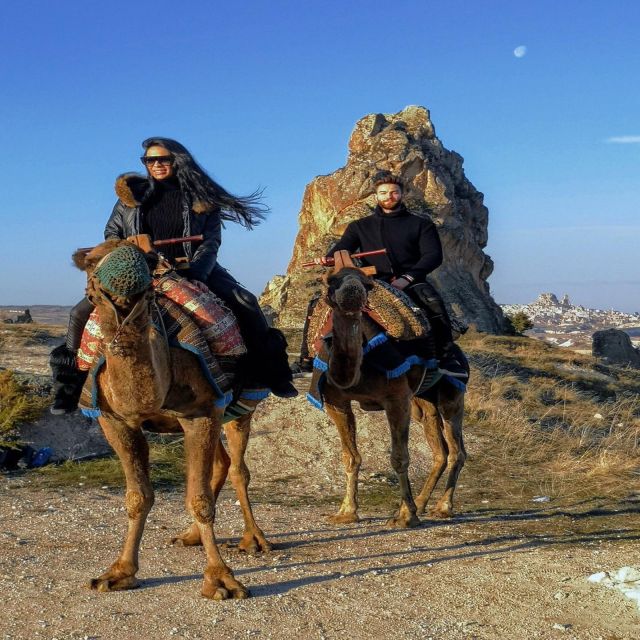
{"type": "Point", "coordinates": [140, 306]}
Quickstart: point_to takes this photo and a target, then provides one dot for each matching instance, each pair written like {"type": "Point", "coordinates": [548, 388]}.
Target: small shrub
{"type": "Point", "coordinates": [17, 404]}
{"type": "Point", "coordinates": [520, 322]}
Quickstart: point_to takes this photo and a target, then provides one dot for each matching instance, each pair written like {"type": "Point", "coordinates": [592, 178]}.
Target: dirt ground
{"type": "Point", "coordinates": [494, 571]}
{"type": "Point", "coordinates": [486, 574]}
{"type": "Point", "coordinates": [504, 567]}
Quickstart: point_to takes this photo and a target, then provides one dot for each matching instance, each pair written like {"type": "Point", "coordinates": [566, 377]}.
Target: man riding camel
{"type": "Point", "coordinates": [413, 251]}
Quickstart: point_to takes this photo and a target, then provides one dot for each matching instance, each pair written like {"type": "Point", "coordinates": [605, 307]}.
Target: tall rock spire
{"type": "Point", "coordinates": [435, 186]}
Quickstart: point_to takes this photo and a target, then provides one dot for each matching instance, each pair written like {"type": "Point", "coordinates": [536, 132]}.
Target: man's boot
{"type": "Point", "coordinates": [68, 380]}
{"type": "Point", "coordinates": [449, 361]}
{"type": "Point", "coordinates": [305, 362]}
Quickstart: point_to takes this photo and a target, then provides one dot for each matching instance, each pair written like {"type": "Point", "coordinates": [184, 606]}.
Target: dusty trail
{"type": "Point", "coordinates": [486, 574]}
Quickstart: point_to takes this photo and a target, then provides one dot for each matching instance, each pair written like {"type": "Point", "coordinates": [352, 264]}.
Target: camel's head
{"type": "Point", "coordinates": [118, 278]}
{"type": "Point", "coordinates": [347, 290]}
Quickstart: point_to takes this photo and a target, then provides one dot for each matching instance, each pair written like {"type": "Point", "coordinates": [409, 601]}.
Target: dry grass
{"type": "Point", "coordinates": [166, 458]}
{"type": "Point", "coordinates": [22, 335]}
{"type": "Point", "coordinates": [18, 403]}
{"type": "Point", "coordinates": [551, 421]}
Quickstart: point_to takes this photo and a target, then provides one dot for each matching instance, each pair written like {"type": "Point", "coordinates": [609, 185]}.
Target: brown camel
{"type": "Point", "coordinates": [147, 384]}
{"type": "Point", "coordinates": [347, 380]}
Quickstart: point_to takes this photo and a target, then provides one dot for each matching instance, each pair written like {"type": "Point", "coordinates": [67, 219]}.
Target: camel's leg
{"type": "Point", "coordinates": [451, 406]}
{"type": "Point", "coordinates": [190, 537]}
{"type": "Point", "coordinates": [201, 436]}
{"type": "Point", "coordinates": [237, 432]}
{"type": "Point", "coordinates": [345, 421]}
{"type": "Point", "coordinates": [398, 413]}
{"type": "Point", "coordinates": [132, 449]}
{"type": "Point", "coordinates": [426, 413]}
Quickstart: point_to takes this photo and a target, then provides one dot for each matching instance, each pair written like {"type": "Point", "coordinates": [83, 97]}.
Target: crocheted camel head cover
{"type": "Point", "coordinates": [123, 272]}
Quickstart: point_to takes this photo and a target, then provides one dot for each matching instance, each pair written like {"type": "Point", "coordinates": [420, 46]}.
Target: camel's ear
{"type": "Point", "coordinates": [87, 260]}
{"type": "Point", "coordinates": [79, 259]}
{"type": "Point", "coordinates": [331, 280]}
{"type": "Point", "coordinates": [367, 282]}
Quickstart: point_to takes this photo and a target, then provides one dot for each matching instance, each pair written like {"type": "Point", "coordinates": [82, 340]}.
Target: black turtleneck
{"type": "Point", "coordinates": [162, 215]}
{"type": "Point", "coordinates": [412, 243]}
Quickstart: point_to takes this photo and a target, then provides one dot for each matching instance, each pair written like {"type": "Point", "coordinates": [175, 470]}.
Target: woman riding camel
{"type": "Point", "coordinates": [177, 199]}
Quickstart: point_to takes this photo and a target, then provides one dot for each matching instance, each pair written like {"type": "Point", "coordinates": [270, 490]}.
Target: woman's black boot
{"type": "Point", "coordinates": [68, 380]}
{"type": "Point", "coordinates": [274, 369]}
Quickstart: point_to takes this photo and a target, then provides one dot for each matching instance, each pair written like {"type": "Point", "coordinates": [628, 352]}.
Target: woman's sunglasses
{"type": "Point", "coordinates": [149, 161]}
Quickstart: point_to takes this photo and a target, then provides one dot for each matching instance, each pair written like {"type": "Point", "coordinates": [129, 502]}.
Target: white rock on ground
{"type": "Point", "coordinates": [625, 579]}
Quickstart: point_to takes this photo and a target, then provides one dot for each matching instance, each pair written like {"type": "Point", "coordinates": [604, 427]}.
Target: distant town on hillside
{"type": "Point", "coordinates": [558, 322]}
{"type": "Point", "coordinates": [567, 325]}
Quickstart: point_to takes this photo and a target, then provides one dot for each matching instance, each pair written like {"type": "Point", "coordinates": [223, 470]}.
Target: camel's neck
{"type": "Point", "coordinates": [346, 350]}
{"type": "Point", "coordinates": [137, 375]}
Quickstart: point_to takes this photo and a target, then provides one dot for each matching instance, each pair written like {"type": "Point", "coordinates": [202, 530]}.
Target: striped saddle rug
{"type": "Point", "coordinates": [191, 319]}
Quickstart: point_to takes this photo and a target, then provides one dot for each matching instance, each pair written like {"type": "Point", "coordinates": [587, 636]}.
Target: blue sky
{"type": "Point", "coordinates": [265, 94]}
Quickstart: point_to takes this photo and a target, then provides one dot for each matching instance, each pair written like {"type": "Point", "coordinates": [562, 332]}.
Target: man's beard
{"type": "Point", "coordinates": [390, 206]}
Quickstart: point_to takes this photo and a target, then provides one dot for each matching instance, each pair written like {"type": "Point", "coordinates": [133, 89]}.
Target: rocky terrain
{"type": "Point", "coordinates": [564, 324]}
{"type": "Point", "coordinates": [435, 185]}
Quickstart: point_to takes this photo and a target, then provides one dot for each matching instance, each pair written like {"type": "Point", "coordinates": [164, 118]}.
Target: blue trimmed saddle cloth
{"type": "Point", "coordinates": [403, 341]}
{"type": "Point", "coordinates": [391, 357]}
{"type": "Point", "coordinates": [182, 331]}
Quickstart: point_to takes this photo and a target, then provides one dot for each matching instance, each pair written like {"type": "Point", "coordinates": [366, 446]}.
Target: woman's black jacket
{"type": "Point", "coordinates": [133, 190]}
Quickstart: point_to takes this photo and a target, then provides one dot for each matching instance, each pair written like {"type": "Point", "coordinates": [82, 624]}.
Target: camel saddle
{"type": "Point", "coordinates": [391, 309]}
{"type": "Point", "coordinates": [403, 340]}
{"type": "Point", "coordinates": [191, 319]}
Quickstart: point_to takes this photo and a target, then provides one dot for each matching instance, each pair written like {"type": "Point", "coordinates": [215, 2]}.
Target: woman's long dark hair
{"type": "Point", "coordinates": [205, 193]}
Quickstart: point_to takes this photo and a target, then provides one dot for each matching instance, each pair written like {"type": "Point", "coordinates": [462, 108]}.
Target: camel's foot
{"type": "Point", "coordinates": [254, 542]}
{"type": "Point", "coordinates": [188, 538]}
{"type": "Point", "coordinates": [344, 518]}
{"type": "Point", "coordinates": [116, 578]}
{"type": "Point", "coordinates": [404, 521]}
{"type": "Point", "coordinates": [219, 584]}
{"type": "Point", "coordinates": [420, 506]}
{"type": "Point", "coordinates": [441, 511]}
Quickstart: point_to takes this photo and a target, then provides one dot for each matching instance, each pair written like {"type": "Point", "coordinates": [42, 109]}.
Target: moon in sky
{"type": "Point", "coordinates": [520, 52]}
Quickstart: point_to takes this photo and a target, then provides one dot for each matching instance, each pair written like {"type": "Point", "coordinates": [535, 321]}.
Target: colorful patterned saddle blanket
{"type": "Point", "coordinates": [390, 357]}
{"type": "Point", "coordinates": [391, 309]}
{"type": "Point", "coordinates": [403, 341]}
{"type": "Point", "coordinates": [191, 319]}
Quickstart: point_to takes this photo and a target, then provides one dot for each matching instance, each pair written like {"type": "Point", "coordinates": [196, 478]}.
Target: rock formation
{"type": "Point", "coordinates": [614, 346]}
{"type": "Point", "coordinates": [547, 299]}
{"type": "Point", "coordinates": [435, 185]}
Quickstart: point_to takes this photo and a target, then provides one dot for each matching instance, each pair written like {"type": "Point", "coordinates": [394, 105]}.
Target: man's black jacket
{"type": "Point", "coordinates": [412, 243]}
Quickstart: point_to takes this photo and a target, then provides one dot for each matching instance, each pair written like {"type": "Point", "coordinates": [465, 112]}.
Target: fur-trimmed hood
{"type": "Point", "coordinates": [134, 189]}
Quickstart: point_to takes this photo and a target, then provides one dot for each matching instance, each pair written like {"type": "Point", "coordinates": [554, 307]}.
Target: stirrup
{"type": "Point", "coordinates": [449, 365]}
{"type": "Point", "coordinates": [454, 372]}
